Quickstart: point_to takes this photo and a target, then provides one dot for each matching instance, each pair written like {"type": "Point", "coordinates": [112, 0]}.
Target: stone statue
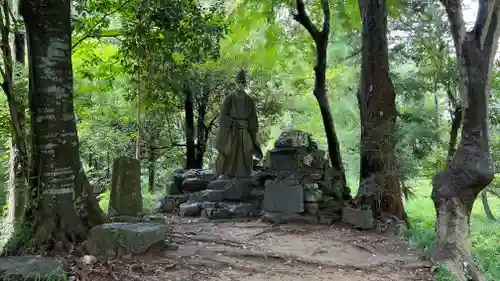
{"type": "Point", "coordinates": [236, 140]}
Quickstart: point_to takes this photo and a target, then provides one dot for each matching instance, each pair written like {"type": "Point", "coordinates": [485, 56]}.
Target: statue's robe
{"type": "Point", "coordinates": [236, 139]}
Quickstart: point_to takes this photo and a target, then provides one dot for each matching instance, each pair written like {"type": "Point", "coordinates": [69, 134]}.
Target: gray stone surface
{"type": "Point", "coordinates": [284, 160]}
{"type": "Point", "coordinates": [209, 195]}
{"type": "Point", "coordinates": [189, 209]}
{"type": "Point", "coordinates": [312, 192]}
{"type": "Point", "coordinates": [194, 184]}
{"type": "Point", "coordinates": [293, 138]}
{"type": "Point", "coordinates": [125, 195]}
{"type": "Point", "coordinates": [225, 210]}
{"type": "Point", "coordinates": [234, 189]}
{"type": "Point", "coordinates": [203, 174]}
{"type": "Point", "coordinates": [125, 238]}
{"type": "Point", "coordinates": [281, 198]}
{"type": "Point", "coordinates": [31, 268]}
{"type": "Point", "coordinates": [362, 219]}
{"type": "Point", "coordinates": [169, 203]}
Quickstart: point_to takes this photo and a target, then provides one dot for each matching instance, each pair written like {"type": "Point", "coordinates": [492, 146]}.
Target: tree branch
{"type": "Point", "coordinates": [326, 19]}
{"type": "Point", "coordinates": [302, 18]}
{"type": "Point", "coordinates": [454, 11]}
{"type": "Point", "coordinates": [87, 34]}
{"type": "Point", "coordinates": [486, 22]}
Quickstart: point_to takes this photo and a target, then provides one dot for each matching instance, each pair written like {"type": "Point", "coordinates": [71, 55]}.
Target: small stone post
{"type": "Point", "coordinates": [126, 196]}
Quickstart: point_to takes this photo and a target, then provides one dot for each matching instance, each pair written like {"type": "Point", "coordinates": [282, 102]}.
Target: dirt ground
{"type": "Point", "coordinates": [254, 250]}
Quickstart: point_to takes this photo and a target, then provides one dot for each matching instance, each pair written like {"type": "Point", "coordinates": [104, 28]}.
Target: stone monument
{"type": "Point", "coordinates": [125, 195]}
{"type": "Point", "coordinates": [237, 143]}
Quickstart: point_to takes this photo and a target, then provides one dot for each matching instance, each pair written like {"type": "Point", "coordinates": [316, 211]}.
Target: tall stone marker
{"type": "Point", "coordinates": [125, 196]}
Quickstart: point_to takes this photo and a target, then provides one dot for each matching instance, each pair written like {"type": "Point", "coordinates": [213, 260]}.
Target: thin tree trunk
{"type": "Point", "coordinates": [151, 168]}
{"type": "Point", "coordinates": [379, 177]}
{"type": "Point", "coordinates": [62, 205]}
{"type": "Point", "coordinates": [138, 132]}
{"type": "Point", "coordinates": [189, 129]}
{"type": "Point", "coordinates": [486, 206]}
{"type": "Point", "coordinates": [320, 38]}
{"type": "Point", "coordinates": [456, 121]}
{"type": "Point", "coordinates": [200, 135]}
{"type": "Point", "coordinates": [17, 176]}
{"type": "Point", "coordinates": [470, 171]}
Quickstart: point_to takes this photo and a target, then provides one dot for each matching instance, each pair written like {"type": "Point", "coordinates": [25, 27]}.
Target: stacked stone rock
{"type": "Point", "coordinates": [304, 181]}
{"type": "Point", "coordinates": [296, 179]}
{"type": "Point", "coordinates": [197, 192]}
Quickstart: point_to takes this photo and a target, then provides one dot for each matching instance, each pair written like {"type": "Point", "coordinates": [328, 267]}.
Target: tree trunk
{"type": "Point", "coordinates": [486, 206]}
{"type": "Point", "coordinates": [379, 182]}
{"type": "Point", "coordinates": [151, 168]}
{"type": "Point", "coordinates": [320, 39]}
{"type": "Point", "coordinates": [200, 135]}
{"type": "Point", "coordinates": [62, 206]}
{"type": "Point", "coordinates": [189, 123]}
{"type": "Point", "coordinates": [456, 121]}
{"type": "Point", "coordinates": [17, 176]}
{"type": "Point", "coordinates": [470, 171]}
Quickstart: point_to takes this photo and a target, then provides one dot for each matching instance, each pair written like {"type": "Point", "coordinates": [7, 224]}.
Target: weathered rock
{"type": "Point", "coordinates": [278, 218]}
{"type": "Point", "coordinates": [225, 210]}
{"type": "Point", "coordinates": [126, 219]}
{"type": "Point", "coordinates": [189, 209]}
{"type": "Point", "coordinates": [194, 184]}
{"type": "Point", "coordinates": [169, 203]}
{"type": "Point", "coordinates": [362, 219]}
{"type": "Point", "coordinates": [209, 195]}
{"type": "Point", "coordinates": [284, 159]}
{"type": "Point", "coordinates": [312, 192]}
{"type": "Point", "coordinates": [203, 174]}
{"type": "Point", "coordinates": [125, 195]}
{"type": "Point", "coordinates": [176, 185]}
{"type": "Point", "coordinates": [125, 238]}
{"type": "Point", "coordinates": [281, 198]}
{"type": "Point", "coordinates": [293, 138]}
{"type": "Point", "coordinates": [234, 189]}
{"type": "Point", "coordinates": [311, 207]}
{"type": "Point", "coordinates": [31, 268]}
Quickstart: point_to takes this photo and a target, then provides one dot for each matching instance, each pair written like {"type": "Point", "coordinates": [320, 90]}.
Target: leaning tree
{"type": "Point", "coordinates": [470, 170]}
{"type": "Point", "coordinates": [61, 207]}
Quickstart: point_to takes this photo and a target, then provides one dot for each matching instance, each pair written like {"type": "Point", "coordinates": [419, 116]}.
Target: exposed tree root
{"type": "Point", "coordinates": [217, 264]}
{"type": "Point", "coordinates": [215, 240]}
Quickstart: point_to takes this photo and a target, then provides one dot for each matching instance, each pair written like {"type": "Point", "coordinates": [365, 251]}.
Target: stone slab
{"type": "Point", "coordinates": [234, 189]}
{"type": "Point", "coordinates": [31, 268]}
{"type": "Point", "coordinates": [281, 198]}
{"type": "Point", "coordinates": [124, 238]}
{"type": "Point", "coordinates": [362, 219]}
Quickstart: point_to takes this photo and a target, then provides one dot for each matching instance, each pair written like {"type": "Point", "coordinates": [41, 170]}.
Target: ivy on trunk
{"type": "Point", "coordinates": [470, 170]}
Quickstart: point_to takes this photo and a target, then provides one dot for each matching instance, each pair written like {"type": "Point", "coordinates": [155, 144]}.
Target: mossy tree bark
{"type": "Point", "coordinates": [470, 170]}
{"type": "Point", "coordinates": [320, 38]}
{"type": "Point", "coordinates": [61, 203]}
{"type": "Point", "coordinates": [380, 187]}
{"type": "Point", "coordinates": [18, 155]}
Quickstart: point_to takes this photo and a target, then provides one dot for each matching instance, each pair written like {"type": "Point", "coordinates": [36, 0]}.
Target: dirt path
{"type": "Point", "coordinates": [251, 251]}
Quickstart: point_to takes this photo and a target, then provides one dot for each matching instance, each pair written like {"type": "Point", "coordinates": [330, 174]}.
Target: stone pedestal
{"type": "Point", "coordinates": [237, 189]}
{"type": "Point", "coordinates": [125, 195]}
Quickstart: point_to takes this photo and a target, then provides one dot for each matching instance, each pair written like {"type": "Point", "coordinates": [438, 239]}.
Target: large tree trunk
{"type": "Point", "coordinates": [62, 206]}
{"type": "Point", "coordinates": [189, 129]}
{"type": "Point", "coordinates": [379, 182]}
{"type": "Point", "coordinates": [320, 39]}
{"type": "Point", "coordinates": [470, 171]}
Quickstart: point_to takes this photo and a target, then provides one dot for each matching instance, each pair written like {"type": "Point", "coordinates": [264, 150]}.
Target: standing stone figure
{"type": "Point", "coordinates": [236, 140]}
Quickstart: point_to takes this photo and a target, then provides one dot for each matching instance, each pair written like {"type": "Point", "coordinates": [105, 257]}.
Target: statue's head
{"type": "Point", "coordinates": [241, 77]}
